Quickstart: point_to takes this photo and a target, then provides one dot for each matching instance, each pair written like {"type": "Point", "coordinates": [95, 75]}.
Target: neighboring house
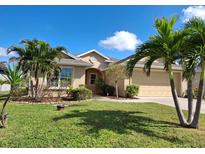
{"type": "Point", "coordinates": [85, 68]}
{"type": "Point", "coordinates": [4, 87]}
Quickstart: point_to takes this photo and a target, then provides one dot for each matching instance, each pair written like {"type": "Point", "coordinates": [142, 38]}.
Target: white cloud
{"type": "Point", "coordinates": [193, 11]}
{"type": "Point", "coordinates": [3, 53]}
{"type": "Point", "coordinates": [121, 40]}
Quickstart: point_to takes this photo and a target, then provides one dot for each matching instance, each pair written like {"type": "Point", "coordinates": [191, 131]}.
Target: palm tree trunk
{"type": "Point", "coordinates": [36, 88]}
{"type": "Point", "coordinates": [32, 89]}
{"type": "Point", "coordinates": [116, 89]}
{"type": "Point", "coordinates": [42, 87]}
{"type": "Point", "coordinates": [195, 121]}
{"type": "Point", "coordinates": [37, 82]}
{"type": "Point", "coordinates": [190, 101]}
{"type": "Point", "coordinates": [30, 86]}
{"type": "Point", "coordinates": [180, 114]}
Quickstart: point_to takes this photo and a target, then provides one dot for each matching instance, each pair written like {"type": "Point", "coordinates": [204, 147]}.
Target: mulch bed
{"type": "Point", "coordinates": [121, 98]}
{"type": "Point", "coordinates": [40, 100]}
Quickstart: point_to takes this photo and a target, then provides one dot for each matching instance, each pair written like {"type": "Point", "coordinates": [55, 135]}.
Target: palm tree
{"type": "Point", "coordinates": [14, 77]}
{"type": "Point", "coordinates": [190, 61]}
{"type": "Point", "coordinates": [37, 58]}
{"type": "Point", "coordinates": [164, 46]}
{"type": "Point", "coordinates": [197, 39]}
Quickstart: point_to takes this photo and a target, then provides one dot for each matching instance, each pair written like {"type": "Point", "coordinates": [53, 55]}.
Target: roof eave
{"type": "Point", "coordinates": [71, 64]}
{"type": "Point", "coordinates": [69, 54]}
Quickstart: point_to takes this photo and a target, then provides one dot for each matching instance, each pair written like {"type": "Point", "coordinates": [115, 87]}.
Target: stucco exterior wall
{"type": "Point", "coordinates": [79, 76]}
{"type": "Point", "coordinates": [196, 80]}
{"type": "Point", "coordinates": [100, 61]}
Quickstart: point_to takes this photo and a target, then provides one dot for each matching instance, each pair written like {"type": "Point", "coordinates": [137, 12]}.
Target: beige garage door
{"type": "Point", "coordinates": [157, 84]}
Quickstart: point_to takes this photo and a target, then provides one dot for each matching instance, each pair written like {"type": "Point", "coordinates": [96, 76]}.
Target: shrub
{"type": "Point", "coordinates": [132, 90]}
{"type": "Point", "coordinates": [99, 83]}
{"type": "Point", "coordinates": [108, 90]}
{"type": "Point", "coordinates": [81, 86]}
{"type": "Point", "coordinates": [80, 93]}
{"type": "Point", "coordinates": [19, 92]}
{"type": "Point", "coordinates": [194, 92]}
{"type": "Point", "coordinates": [105, 88]}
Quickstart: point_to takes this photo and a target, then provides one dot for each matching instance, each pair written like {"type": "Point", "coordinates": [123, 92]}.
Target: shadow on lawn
{"type": "Point", "coordinates": [121, 122]}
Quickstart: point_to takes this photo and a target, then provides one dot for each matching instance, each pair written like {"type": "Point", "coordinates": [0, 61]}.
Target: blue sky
{"type": "Point", "coordinates": [81, 28]}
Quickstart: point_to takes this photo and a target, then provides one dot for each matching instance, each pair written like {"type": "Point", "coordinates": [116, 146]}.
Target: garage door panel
{"type": "Point", "coordinates": [154, 91]}
{"type": "Point", "coordinates": [157, 84]}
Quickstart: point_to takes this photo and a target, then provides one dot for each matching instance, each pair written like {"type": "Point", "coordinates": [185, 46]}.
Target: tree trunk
{"type": "Point", "coordinates": [36, 89]}
{"type": "Point", "coordinates": [41, 89]}
{"type": "Point", "coordinates": [116, 89]}
{"type": "Point", "coordinates": [37, 81]}
{"type": "Point", "coordinates": [180, 114]}
{"type": "Point", "coordinates": [190, 101]}
{"type": "Point", "coordinates": [195, 121]}
{"type": "Point", "coordinates": [129, 80]}
{"type": "Point", "coordinates": [31, 91]}
{"type": "Point", "coordinates": [3, 114]}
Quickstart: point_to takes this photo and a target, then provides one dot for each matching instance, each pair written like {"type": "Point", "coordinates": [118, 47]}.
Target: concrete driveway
{"type": "Point", "coordinates": [161, 100]}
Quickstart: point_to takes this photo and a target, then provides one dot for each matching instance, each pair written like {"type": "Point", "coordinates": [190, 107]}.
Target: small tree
{"type": "Point", "coordinates": [14, 77]}
{"type": "Point", "coordinates": [117, 72]}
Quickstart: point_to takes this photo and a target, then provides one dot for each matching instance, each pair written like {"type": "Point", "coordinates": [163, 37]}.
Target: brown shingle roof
{"type": "Point", "coordinates": [156, 65]}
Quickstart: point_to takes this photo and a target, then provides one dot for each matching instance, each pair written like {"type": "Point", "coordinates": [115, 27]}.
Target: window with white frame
{"type": "Point", "coordinates": [93, 78]}
{"type": "Point", "coordinates": [62, 78]}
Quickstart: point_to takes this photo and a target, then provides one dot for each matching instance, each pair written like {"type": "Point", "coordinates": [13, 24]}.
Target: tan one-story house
{"type": "Point", "coordinates": [85, 68]}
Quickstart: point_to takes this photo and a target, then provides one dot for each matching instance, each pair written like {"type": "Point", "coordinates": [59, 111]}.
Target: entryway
{"type": "Point", "coordinates": [91, 75]}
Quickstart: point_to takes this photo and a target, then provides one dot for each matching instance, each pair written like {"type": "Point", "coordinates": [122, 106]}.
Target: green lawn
{"type": "Point", "coordinates": [97, 124]}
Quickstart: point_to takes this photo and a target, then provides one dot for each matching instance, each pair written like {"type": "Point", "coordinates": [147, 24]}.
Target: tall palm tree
{"type": "Point", "coordinates": [164, 46]}
{"type": "Point", "coordinates": [197, 39]}
{"type": "Point", "coordinates": [190, 61]}
{"type": "Point", "coordinates": [14, 77]}
{"type": "Point", "coordinates": [37, 58]}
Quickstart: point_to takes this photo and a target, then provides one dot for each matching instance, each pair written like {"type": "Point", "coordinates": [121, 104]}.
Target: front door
{"type": "Point", "coordinates": [91, 76]}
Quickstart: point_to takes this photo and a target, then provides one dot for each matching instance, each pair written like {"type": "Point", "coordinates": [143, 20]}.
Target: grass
{"type": "Point", "coordinates": [97, 124]}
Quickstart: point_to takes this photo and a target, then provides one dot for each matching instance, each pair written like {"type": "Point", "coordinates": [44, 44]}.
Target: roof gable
{"type": "Point", "coordinates": [95, 51]}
